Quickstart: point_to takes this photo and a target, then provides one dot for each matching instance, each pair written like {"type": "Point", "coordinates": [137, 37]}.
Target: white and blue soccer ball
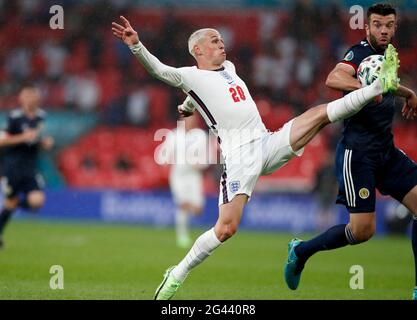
{"type": "Point", "coordinates": [369, 69]}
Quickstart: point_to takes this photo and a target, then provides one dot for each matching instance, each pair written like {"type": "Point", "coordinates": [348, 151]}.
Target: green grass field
{"type": "Point", "coordinates": [104, 261]}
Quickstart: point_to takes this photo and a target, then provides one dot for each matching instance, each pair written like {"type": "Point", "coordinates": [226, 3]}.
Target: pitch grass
{"type": "Point", "coordinates": [103, 261]}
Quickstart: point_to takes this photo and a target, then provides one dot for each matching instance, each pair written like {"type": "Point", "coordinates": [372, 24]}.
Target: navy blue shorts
{"type": "Point", "coordinates": [359, 173]}
{"type": "Point", "coordinates": [13, 185]}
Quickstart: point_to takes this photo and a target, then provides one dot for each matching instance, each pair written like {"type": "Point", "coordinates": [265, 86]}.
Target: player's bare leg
{"type": "Point", "coordinates": [410, 201]}
{"type": "Point", "coordinates": [226, 226]}
{"type": "Point", "coordinates": [182, 216]}
{"type": "Point", "coordinates": [9, 206]}
{"type": "Point", "coordinates": [307, 125]}
{"type": "Point", "coordinates": [230, 215]}
{"type": "Point", "coordinates": [362, 227]}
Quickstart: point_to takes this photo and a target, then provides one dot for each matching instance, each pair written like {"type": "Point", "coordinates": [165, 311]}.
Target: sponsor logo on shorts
{"type": "Point", "coordinates": [364, 193]}
{"type": "Point", "coordinates": [234, 186]}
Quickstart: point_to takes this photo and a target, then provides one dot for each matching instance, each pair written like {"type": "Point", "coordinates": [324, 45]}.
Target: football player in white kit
{"type": "Point", "coordinates": [186, 173]}
{"type": "Point", "coordinates": [248, 148]}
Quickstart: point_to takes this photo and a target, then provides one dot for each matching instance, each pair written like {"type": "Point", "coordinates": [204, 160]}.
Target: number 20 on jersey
{"type": "Point", "coordinates": [237, 94]}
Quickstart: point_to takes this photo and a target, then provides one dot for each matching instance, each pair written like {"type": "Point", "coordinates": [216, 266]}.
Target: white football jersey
{"type": "Point", "coordinates": [221, 97]}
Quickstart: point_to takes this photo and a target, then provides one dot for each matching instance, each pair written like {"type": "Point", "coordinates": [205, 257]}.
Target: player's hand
{"type": "Point", "coordinates": [409, 109]}
{"type": "Point", "coordinates": [125, 33]}
{"type": "Point", "coordinates": [47, 143]}
{"type": "Point", "coordinates": [183, 113]}
{"type": "Point", "coordinates": [30, 135]}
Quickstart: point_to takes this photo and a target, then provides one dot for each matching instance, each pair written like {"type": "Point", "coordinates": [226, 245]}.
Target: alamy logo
{"type": "Point", "coordinates": [357, 20]}
{"type": "Point", "coordinates": [234, 186]}
{"type": "Point", "coordinates": [57, 20]}
{"type": "Point", "coordinates": [57, 279]}
{"type": "Point", "coordinates": [357, 280]}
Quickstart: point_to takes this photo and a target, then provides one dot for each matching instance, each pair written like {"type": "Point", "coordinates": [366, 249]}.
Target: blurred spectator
{"type": "Point", "coordinates": [303, 70]}
{"type": "Point", "coordinates": [285, 57]}
{"type": "Point", "coordinates": [123, 163]}
{"type": "Point", "coordinates": [82, 91]}
{"type": "Point", "coordinates": [18, 63]}
{"type": "Point", "coordinates": [138, 108]}
{"type": "Point", "coordinates": [88, 162]}
{"type": "Point", "coordinates": [55, 55]}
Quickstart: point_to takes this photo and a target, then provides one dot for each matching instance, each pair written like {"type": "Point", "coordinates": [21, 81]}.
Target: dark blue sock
{"type": "Point", "coordinates": [414, 245]}
{"type": "Point", "coordinates": [331, 239]}
{"type": "Point", "coordinates": [5, 215]}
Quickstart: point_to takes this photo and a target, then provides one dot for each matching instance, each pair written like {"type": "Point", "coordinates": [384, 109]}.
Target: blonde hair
{"type": "Point", "coordinates": [196, 37]}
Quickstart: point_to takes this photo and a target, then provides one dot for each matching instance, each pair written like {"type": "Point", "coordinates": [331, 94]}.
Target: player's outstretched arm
{"type": "Point", "coordinates": [125, 33]}
{"type": "Point", "coordinates": [156, 68]}
{"type": "Point", "coordinates": [342, 78]}
{"type": "Point", "coordinates": [28, 136]}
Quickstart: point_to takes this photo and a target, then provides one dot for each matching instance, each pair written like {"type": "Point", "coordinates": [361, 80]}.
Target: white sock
{"type": "Point", "coordinates": [353, 102]}
{"type": "Point", "coordinates": [202, 248]}
{"type": "Point", "coordinates": [181, 223]}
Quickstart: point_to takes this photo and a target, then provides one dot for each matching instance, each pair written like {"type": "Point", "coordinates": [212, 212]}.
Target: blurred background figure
{"type": "Point", "coordinates": [187, 149]}
{"type": "Point", "coordinates": [22, 139]}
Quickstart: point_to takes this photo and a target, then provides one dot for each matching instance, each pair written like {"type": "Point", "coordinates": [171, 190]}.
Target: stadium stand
{"type": "Point", "coordinates": [90, 79]}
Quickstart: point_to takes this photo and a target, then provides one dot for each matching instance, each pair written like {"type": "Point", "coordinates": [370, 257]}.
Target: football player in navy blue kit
{"type": "Point", "coordinates": [22, 184]}
{"type": "Point", "coordinates": [366, 158]}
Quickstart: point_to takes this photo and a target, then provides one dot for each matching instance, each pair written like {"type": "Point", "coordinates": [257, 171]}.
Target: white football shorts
{"type": "Point", "coordinates": [260, 157]}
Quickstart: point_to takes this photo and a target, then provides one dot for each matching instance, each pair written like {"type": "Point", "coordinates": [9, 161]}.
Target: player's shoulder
{"type": "Point", "coordinates": [16, 114]}
{"type": "Point", "coordinates": [19, 113]}
{"type": "Point", "coordinates": [229, 65]}
{"type": "Point", "coordinates": [361, 49]}
{"type": "Point", "coordinates": [41, 113]}
{"type": "Point", "coordinates": [188, 70]}
{"type": "Point", "coordinates": [355, 54]}
{"type": "Point", "coordinates": [362, 45]}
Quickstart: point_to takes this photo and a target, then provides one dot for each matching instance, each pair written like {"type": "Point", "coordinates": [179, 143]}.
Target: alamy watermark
{"type": "Point", "coordinates": [57, 20]}
{"type": "Point", "coordinates": [357, 280]}
{"type": "Point", "coordinates": [57, 279]}
{"type": "Point", "coordinates": [357, 20]}
{"type": "Point", "coordinates": [244, 148]}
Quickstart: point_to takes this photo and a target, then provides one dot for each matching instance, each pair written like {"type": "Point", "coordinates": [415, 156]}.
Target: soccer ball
{"type": "Point", "coordinates": [369, 69]}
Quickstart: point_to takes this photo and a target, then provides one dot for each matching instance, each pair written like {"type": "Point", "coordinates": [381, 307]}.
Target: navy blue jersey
{"type": "Point", "coordinates": [21, 159]}
{"type": "Point", "coordinates": [370, 128]}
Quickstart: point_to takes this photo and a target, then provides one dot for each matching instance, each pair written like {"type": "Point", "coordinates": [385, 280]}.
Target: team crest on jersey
{"type": "Point", "coordinates": [349, 56]}
{"type": "Point", "coordinates": [227, 76]}
{"type": "Point", "coordinates": [364, 193]}
{"type": "Point", "coordinates": [234, 186]}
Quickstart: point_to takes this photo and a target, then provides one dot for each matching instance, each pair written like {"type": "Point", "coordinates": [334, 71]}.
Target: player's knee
{"type": "Point", "coordinates": [226, 231]}
{"type": "Point", "coordinates": [363, 232]}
